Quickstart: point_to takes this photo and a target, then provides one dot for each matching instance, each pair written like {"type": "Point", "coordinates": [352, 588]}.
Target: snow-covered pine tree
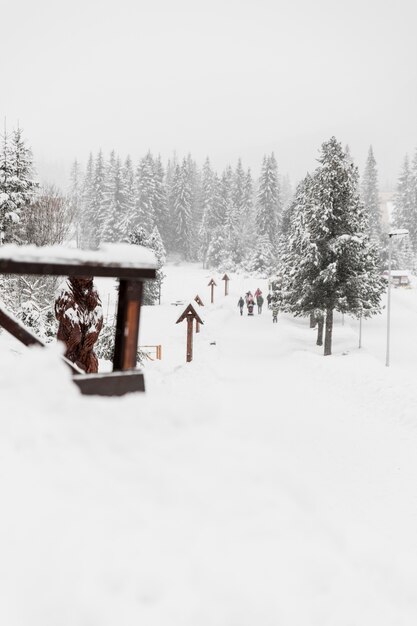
{"type": "Point", "coordinates": [86, 234]}
{"type": "Point", "coordinates": [217, 251]}
{"type": "Point", "coordinates": [182, 224]}
{"type": "Point", "coordinates": [268, 208]}
{"type": "Point", "coordinates": [118, 211]}
{"type": "Point", "coordinates": [370, 197]}
{"type": "Point", "coordinates": [239, 221]}
{"type": "Point", "coordinates": [331, 263]}
{"type": "Point", "coordinates": [160, 200]}
{"type": "Point", "coordinates": [194, 177]}
{"type": "Point", "coordinates": [230, 218]}
{"type": "Point", "coordinates": [210, 201]}
{"type": "Point", "coordinates": [75, 198]}
{"type": "Point", "coordinates": [129, 190]}
{"type": "Point", "coordinates": [98, 205]}
{"type": "Point", "coordinates": [145, 203]}
{"type": "Point", "coordinates": [405, 212]}
{"type": "Point", "coordinates": [17, 186]}
{"type": "Point", "coordinates": [139, 237]}
{"type": "Point", "coordinates": [262, 258]}
{"type": "Point", "coordinates": [156, 244]}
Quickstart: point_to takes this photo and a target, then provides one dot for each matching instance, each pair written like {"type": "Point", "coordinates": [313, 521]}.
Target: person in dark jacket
{"type": "Point", "coordinates": [241, 304]}
{"type": "Point", "coordinates": [259, 302]}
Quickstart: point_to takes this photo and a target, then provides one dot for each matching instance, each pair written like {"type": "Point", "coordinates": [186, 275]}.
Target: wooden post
{"type": "Point", "coordinates": [197, 326]}
{"type": "Point", "coordinates": [199, 300]}
{"type": "Point", "coordinates": [226, 284]}
{"type": "Point", "coordinates": [190, 321]}
{"type": "Point", "coordinates": [190, 315]}
{"type": "Point", "coordinates": [127, 325]}
{"type": "Point", "coordinates": [212, 284]}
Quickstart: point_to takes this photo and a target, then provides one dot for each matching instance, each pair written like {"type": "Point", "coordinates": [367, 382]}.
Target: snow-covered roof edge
{"type": "Point", "coordinates": [108, 254]}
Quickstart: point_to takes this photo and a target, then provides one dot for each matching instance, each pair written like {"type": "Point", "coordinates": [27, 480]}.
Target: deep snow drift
{"type": "Point", "coordinates": [260, 484]}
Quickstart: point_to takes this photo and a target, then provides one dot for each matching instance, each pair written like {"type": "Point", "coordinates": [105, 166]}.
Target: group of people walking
{"type": "Point", "coordinates": [257, 298]}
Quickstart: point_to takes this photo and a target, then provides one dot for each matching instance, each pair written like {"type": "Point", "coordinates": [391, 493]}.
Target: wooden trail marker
{"type": "Point", "coordinates": [190, 315]}
{"type": "Point", "coordinates": [199, 300]}
{"type": "Point", "coordinates": [212, 284]}
{"type": "Point", "coordinates": [226, 284]}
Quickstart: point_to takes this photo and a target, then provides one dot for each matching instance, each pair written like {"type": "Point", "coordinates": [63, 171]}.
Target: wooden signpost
{"type": "Point", "coordinates": [190, 315]}
{"type": "Point", "coordinates": [199, 300]}
{"type": "Point", "coordinates": [212, 284]}
{"type": "Point", "coordinates": [226, 284]}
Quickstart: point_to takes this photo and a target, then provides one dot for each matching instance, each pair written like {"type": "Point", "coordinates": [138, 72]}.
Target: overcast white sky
{"type": "Point", "coordinates": [224, 78]}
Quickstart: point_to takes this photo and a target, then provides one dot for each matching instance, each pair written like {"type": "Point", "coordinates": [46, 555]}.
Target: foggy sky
{"type": "Point", "coordinates": [224, 78]}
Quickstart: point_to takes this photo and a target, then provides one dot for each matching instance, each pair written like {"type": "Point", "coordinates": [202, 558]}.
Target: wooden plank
{"type": "Point", "coordinates": [110, 384]}
{"type": "Point", "coordinates": [8, 266]}
{"type": "Point", "coordinates": [16, 328]}
{"type": "Point", "coordinates": [25, 336]}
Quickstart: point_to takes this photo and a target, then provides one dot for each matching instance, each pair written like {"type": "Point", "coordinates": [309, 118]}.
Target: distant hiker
{"type": "Point", "coordinates": [249, 297]}
{"type": "Point", "coordinates": [275, 310]}
{"type": "Point", "coordinates": [268, 299]}
{"type": "Point", "coordinates": [258, 292]}
{"type": "Point", "coordinates": [250, 306]}
{"type": "Point", "coordinates": [259, 302]}
{"type": "Point", "coordinates": [241, 304]}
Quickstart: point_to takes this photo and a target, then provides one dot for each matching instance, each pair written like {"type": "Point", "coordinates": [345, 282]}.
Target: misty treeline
{"type": "Point", "coordinates": [224, 220]}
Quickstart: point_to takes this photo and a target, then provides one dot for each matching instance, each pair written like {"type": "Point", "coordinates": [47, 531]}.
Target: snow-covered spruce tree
{"type": "Point", "coordinates": [262, 259]}
{"type": "Point", "coordinates": [87, 235]}
{"type": "Point", "coordinates": [268, 205]}
{"type": "Point", "coordinates": [414, 180]}
{"type": "Point", "coordinates": [75, 198]}
{"type": "Point", "coordinates": [139, 237]}
{"type": "Point", "coordinates": [230, 219]}
{"type": "Point", "coordinates": [181, 192]}
{"type": "Point", "coordinates": [194, 178]}
{"type": "Point", "coordinates": [370, 197]}
{"type": "Point", "coordinates": [145, 202]}
{"type": "Point", "coordinates": [217, 251]}
{"type": "Point", "coordinates": [331, 263]}
{"type": "Point", "coordinates": [17, 186]}
{"type": "Point", "coordinates": [129, 187]}
{"type": "Point", "coordinates": [210, 201]}
{"type": "Point", "coordinates": [118, 218]}
{"type": "Point", "coordinates": [405, 211]}
{"type": "Point", "coordinates": [160, 200]}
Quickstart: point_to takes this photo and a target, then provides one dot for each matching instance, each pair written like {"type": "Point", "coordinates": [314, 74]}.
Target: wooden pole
{"type": "Point", "coordinates": [189, 338]}
{"type": "Point", "coordinates": [212, 293]}
{"type": "Point", "coordinates": [127, 325]}
{"type": "Point", "coordinates": [197, 326]}
{"type": "Point", "coordinates": [226, 287]}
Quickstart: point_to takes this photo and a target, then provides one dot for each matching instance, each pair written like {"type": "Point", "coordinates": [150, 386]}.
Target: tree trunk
{"type": "Point", "coordinates": [313, 321]}
{"type": "Point", "coordinates": [329, 330]}
{"type": "Point", "coordinates": [320, 322]}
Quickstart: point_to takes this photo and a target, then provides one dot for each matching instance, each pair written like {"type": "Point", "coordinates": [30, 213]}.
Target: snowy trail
{"type": "Point", "coordinates": [261, 483]}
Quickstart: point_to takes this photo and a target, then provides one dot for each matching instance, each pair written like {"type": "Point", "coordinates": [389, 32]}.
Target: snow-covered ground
{"type": "Point", "coordinates": [260, 484]}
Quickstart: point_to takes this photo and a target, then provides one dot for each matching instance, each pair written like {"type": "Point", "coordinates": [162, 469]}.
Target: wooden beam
{"type": "Point", "coordinates": [110, 384]}
{"type": "Point", "coordinates": [16, 328]}
{"type": "Point", "coordinates": [8, 266]}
